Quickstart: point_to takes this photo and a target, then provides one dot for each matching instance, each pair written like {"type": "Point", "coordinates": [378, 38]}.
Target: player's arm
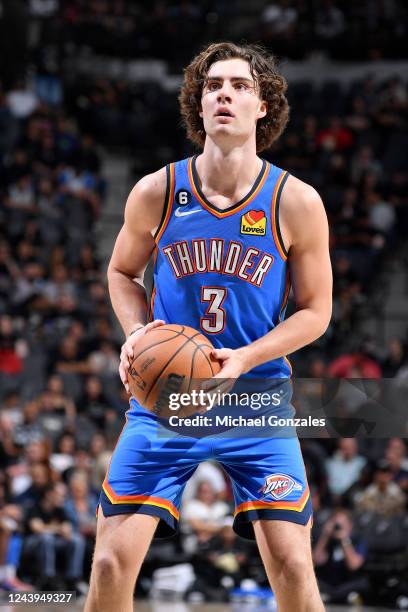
{"type": "Point", "coordinates": [304, 229]}
{"type": "Point", "coordinates": [133, 248]}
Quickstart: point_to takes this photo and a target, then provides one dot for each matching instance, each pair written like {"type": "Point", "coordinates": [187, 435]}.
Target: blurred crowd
{"type": "Point", "coordinates": [61, 403]}
{"type": "Point", "coordinates": [61, 400]}
{"type": "Point", "coordinates": [371, 29]}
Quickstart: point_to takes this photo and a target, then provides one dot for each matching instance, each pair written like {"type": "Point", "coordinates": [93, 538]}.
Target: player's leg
{"type": "Point", "coordinates": [141, 493]}
{"type": "Point", "coordinates": [285, 550]}
{"type": "Point", "coordinates": [122, 542]}
{"type": "Point", "coordinates": [273, 505]}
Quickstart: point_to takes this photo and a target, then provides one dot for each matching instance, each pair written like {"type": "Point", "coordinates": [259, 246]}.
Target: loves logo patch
{"type": "Point", "coordinates": [254, 223]}
{"type": "Point", "coordinates": [279, 486]}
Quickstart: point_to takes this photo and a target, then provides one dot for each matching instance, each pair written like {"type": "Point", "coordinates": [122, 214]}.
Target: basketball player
{"type": "Point", "coordinates": [229, 232]}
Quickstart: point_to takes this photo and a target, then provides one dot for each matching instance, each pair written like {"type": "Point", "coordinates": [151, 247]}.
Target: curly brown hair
{"type": "Point", "coordinates": [271, 87]}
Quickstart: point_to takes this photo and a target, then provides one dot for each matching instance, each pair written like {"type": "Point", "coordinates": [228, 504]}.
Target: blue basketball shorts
{"type": "Point", "coordinates": [149, 470]}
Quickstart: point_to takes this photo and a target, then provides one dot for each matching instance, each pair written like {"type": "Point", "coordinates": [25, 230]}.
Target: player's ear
{"type": "Point", "coordinates": [263, 109]}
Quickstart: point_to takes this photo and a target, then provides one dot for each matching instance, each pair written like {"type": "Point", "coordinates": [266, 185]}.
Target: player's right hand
{"type": "Point", "coordinates": [127, 350]}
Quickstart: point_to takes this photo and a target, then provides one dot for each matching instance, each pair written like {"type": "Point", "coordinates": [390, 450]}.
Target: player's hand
{"type": "Point", "coordinates": [232, 367]}
{"type": "Point", "coordinates": [127, 350]}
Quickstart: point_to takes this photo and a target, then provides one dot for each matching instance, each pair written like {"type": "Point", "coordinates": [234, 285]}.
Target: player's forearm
{"type": "Point", "coordinates": [300, 329]}
{"type": "Point", "coordinates": [128, 299]}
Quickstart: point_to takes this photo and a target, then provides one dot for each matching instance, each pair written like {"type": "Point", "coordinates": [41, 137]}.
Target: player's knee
{"type": "Point", "coordinates": [295, 569]}
{"type": "Point", "coordinates": [106, 567]}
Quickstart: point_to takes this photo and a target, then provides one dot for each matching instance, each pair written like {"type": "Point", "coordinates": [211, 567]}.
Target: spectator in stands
{"type": "Point", "coordinates": [279, 21]}
{"type": "Point", "coordinates": [63, 457]}
{"type": "Point", "coordinates": [396, 455]}
{"type": "Point", "coordinates": [81, 506]}
{"type": "Point", "coordinates": [19, 470]}
{"type": "Point", "coordinates": [49, 530]}
{"type": "Point", "coordinates": [394, 358]}
{"type": "Point", "coordinates": [68, 358]}
{"type": "Point", "coordinates": [51, 221]}
{"type": "Point", "coordinates": [224, 559]}
{"type": "Point", "coordinates": [364, 162]}
{"type": "Point", "coordinates": [10, 546]}
{"type": "Point", "coordinates": [381, 214]}
{"type": "Point", "coordinates": [383, 497]}
{"type": "Point", "coordinates": [335, 137]}
{"type": "Point", "coordinates": [355, 365]}
{"type": "Point", "coordinates": [30, 429]}
{"type": "Point", "coordinates": [343, 469]}
{"type": "Point", "coordinates": [358, 119]}
{"type": "Point", "coordinates": [20, 204]}
{"type": "Point", "coordinates": [81, 185]}
{"type": "Point", "coordinates": [13, 348]}
{"type": "Point", "coordinates": [210, 471]}
{"type": "Point", "coordinates": [59, 285]}
{"type": "Point", "coordinates": [9, 451]}
{"type": "Point", "coordinates": [40, 476]}
{"type": "Point", "coordinates": [56, 408]}
{"type": "Point", "coordinates": [9, 273]}
{"type": "Point", "coordinates": [339, 556]}
{"type": "Point", "coordinates": [330, 22]}
{"type": "Point", "coordinates": [12, 407]}
{"type": "Point", "coordinates": [94, 402]}
{"type": "Point", "coordinates": [204, 514]}
{"type": "Point", "coordinates": [21, 100]}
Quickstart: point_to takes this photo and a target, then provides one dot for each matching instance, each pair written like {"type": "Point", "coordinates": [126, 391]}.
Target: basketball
{"type": "Point", "coordinates": [170, 359]}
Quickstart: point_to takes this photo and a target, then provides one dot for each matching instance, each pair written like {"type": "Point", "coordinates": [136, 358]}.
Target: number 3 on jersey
{"type": "Point", "coordinates": [214, 320]}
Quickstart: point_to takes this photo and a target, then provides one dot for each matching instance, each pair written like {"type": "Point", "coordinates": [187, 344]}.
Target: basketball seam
{"type": "Point", "coordinates": [169, 361]}
{"type": "Point", "coordinates": [198, 348]}
{"type": "Point", "coordinates": [206, 356]}
{"type": "Point", "coordinates": [179, 333]}
{"type": "Point", "coordinates": [192, 369]}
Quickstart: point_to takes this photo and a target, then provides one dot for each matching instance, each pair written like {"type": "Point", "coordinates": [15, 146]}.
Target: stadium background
{"type": "Point", "coordinates": [88, 104]}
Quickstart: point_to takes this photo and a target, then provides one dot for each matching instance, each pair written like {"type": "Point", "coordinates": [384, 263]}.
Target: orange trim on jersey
{"type": "Point", "coordinates": [219, 213]}
{"type": "Point", "coordinates": [168, 203]}
{"type": "Point", "coordinates": [296, 506]}
{"type": "Point", "coordinates": [152, 304]}
{"type": "Point", "coordinates": [285, 295]}
{"type": "Point", "coordinates": [289, 364]}
{"type": "Point", "coordinates": [273, 214]}
{"type": "Point", "coordinates": [283, 306]}
{"type": "Point", "coordinates": [140, 500]}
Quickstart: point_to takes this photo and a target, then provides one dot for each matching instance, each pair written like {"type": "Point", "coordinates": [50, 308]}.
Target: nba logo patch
{"type": "Point", "coordinates": [254, 223]}
{"type": "Point", "coordinates": [279, 486]}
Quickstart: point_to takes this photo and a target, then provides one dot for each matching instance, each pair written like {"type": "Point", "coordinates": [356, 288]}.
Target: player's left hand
{"type": "Point", "coordinates": [232, 367]}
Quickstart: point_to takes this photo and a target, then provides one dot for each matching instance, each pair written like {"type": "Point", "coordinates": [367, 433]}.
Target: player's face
{"type": "Point", "coordinates": [230, 103]}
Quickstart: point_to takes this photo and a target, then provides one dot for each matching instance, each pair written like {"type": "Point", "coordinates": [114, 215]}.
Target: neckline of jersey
{"type": "Point", "coordinates": [195, 184]}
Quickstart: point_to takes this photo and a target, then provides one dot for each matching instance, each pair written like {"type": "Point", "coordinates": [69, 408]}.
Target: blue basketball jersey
{"type": "Point", "coordinates": [223, 272]}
